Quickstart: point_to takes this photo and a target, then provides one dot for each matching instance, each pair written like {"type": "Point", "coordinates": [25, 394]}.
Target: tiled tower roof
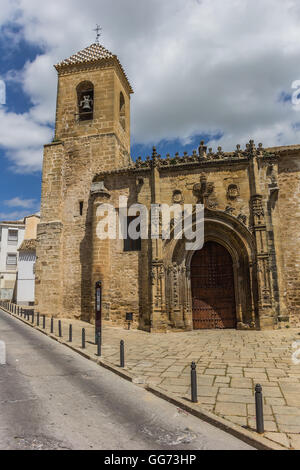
{"type": "Point", "coordinates": [93, 53]}
{"type": "Point", "coordinates": [89, 54]}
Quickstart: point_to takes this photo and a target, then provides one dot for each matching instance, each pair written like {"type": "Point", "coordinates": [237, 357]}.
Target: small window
{"type": "Point", "coordinates": [129, 244]}
{"type": "Point", "coordinates": [122, 110]}
{"type": "Point", "coordinates": [81, 207]}
{"type": "Point", "coordinates": [13, 237]}
{"type": "Point", "coordinates": [11, 261]}
{"type": "Point", "coordinates": [85, 101]}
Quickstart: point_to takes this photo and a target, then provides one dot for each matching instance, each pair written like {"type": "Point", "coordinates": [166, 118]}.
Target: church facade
{"type": "Point", "coordinates": [247, 274]}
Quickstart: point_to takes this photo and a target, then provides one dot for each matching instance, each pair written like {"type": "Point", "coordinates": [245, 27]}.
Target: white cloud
{"type": "Point", "coordinates": [12, 216]}
{"type": "Point", "coordinates": [18, 202]}
{"type": "Point", "coordinates": [22, 138]}
{"type": "Point", "coordinates": [196, 67]}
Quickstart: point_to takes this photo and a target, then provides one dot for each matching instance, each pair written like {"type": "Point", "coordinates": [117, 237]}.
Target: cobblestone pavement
{"type": "Point", "coordinates": [229, 365]}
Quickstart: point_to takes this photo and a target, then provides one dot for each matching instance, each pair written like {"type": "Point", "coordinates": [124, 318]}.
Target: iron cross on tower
{"type": "Point", "coordinates": [98, 31]}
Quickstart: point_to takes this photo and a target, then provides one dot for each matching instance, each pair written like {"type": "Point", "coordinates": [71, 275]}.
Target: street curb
{"type": "Point", "coordinates": [259, 442]}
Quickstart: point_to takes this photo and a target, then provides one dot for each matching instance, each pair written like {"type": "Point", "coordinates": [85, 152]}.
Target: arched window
{"type": "Point", "coordinates": [122, 110]}
{"type": "Point", "coordinates": [85, 101]}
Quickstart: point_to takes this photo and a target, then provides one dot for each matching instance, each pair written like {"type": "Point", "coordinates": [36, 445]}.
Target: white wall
{"type": "Point", "coordinates": [26, 277]}
{"type": "Point", "coordinates": [8, 275]}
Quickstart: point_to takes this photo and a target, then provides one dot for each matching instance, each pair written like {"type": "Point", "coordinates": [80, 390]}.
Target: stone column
{"type": "Point", "coordinates": [265, 291]}
{"type": "Point", "coordinates": [159, 317]}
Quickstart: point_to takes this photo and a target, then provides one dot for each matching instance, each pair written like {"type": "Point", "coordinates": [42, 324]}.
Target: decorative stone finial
{"type": "Point", "coordinates": [202, 148]}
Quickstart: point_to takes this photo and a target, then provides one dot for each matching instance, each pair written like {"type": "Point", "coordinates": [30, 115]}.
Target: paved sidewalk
{"type": "Point", "coordinates": [229, 364]}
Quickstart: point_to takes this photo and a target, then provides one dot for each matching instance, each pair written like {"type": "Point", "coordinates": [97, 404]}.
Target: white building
{"type": "Point", "coordinates": [26, 263]}
{"type": "Point", "coordinates": [11, 238]}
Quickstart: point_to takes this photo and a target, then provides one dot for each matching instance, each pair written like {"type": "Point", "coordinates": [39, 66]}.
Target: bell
{"type": "Point", "coordinates": [86, 103]}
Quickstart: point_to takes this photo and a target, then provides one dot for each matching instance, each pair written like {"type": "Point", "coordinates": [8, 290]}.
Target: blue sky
{"type": "Point", "coordinates": [25, 187]}
{"type": "Point", "coordinates": [219, 71]}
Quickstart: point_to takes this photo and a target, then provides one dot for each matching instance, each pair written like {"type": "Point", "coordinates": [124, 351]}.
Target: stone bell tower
{"type": "Point", "coordinates": [92, 134]}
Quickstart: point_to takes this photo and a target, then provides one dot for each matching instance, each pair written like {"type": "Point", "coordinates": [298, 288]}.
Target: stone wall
{"type": "Point", "coordinates": [289, 213]}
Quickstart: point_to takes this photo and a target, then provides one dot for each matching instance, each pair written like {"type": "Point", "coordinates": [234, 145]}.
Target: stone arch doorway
{"type": "Point", "coordinates": [212, 285]}
{"type": "Point", "coordinates": [238, 241]}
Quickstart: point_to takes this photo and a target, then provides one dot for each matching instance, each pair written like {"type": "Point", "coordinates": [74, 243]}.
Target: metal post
{"type": "Point", "coordinates": [38, 319]}
{"type": "Point", "coordinates": [52, 325]}
{"type": "Point", "coordinates": [83, 338]}
{"type": "Point", "coordinates": [259, 409]}
{"type": "Point", "coordinates": [59, 329]}
{"type": "Point", "coordinates": [98, 310]}
{"type": "Point", "coordinates": [44, 322]}
{"type": "Point", "coordinates": [98, 344]}
{"type": "Point", "coordinates": [122, 354]}
{"type": "Point", "coordinates": [32, 320]}
{"type": "Point", "coordinates": [194, 383]}
{"type": "Point", "coordinates": [70, 334]}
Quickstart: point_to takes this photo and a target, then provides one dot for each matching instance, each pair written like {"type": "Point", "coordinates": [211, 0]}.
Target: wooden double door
{"type": "Point", "coordinates": [213, 288]}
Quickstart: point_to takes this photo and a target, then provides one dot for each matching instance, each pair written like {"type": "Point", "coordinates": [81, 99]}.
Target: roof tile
{"type": "Point", "coordinates": [89, 54]}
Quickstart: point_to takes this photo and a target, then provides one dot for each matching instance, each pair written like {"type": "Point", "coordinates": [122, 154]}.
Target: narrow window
{"type": "Point", "coordinates": [85, 101]}
{"type": "Point", "coordinates": [81, 207]}
{"type": "Point", "coordinates": [129, 244]}
{"type": "Point", "coordinates": [122, 110]}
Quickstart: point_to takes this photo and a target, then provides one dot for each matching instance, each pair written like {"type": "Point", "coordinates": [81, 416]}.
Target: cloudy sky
{"type": "Point", "coordinates": [215, 69]}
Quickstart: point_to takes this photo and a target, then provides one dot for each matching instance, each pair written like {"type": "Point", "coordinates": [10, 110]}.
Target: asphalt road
{"type": "Point", "coordinates": [52, 398]}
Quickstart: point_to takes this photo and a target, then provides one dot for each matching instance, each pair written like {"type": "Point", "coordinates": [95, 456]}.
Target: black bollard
{"type": "Point", "coordinates": [122, 354]}
{"type": "Point", "coordinates": [32, 320]}
{"type": "Point", "coordinates": [59, 329]}
{"type": "Point", "coordinates": [194, 383]}
{"type": "Point", "coordinates": [83, 338]}
{"type": "Point", "coordinates": [259, 409]}
{"type": "Point", "coordinates": [98, 344]}
{"type": "Point", "coordinates": [38, 319]}
{"type": "Point", "coordinates": [52, 325]}
{"type": "Point", "coordinates": [44, 322]}
{"type": "Point", "coordinates": [70, 334]}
